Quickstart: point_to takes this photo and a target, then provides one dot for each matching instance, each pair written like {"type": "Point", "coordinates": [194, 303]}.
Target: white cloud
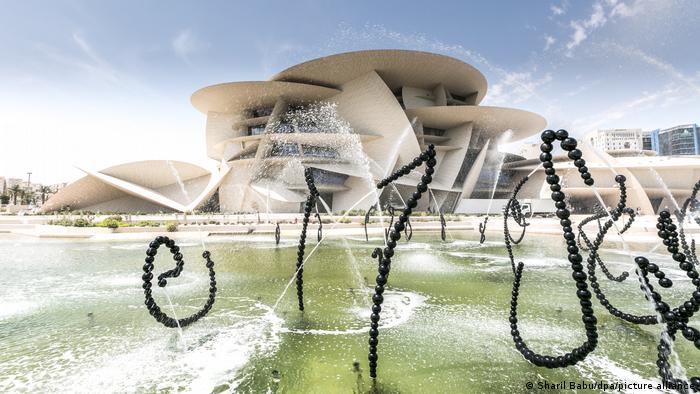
{"type": "Point", "coordinates": [186, 43]}
{"type": "Point", "coordinates": [88, 61]}
{"type": "Point", "coordinates": [602, 13]}
{"type": "Point", "coordinates": [626, 112]}
{"type": "Point", "coordinates": [583, 28]}
{"type": "Point", "coordinates": [558, 9]}
{"type": "Point", "coordinates": [548, 42]}
{"type": "Point", "coordinates": [516, 87]}
{"type": "Point", "coordinates": [663, 66]}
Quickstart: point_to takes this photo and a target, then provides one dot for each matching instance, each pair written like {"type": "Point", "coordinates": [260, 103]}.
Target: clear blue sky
{"type": "Point", "coordinates": [95, 83]}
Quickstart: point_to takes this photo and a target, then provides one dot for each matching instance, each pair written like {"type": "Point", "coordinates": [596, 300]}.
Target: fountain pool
{"type": "Point", "coordinates": [72, 317]}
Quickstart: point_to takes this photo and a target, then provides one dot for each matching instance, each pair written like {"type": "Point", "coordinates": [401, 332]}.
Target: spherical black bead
{"type": "Point", "coordinates": [557, 196]}
{"type": "Point", "coordinates": [589, 181]}
{"type": "Point", "coordinates": [620, 178]}
{"type": "Point", "coordinates": [545, 156]}
{"type": "Point", "coordinates": [548, 136]}
{"type": "Point", "coordinates": [575, 154]}
{"type": "Point", "coordinates": [561, 134]}
{"type": "Point", "coordinates": [552, 179]}
{"type": "Point", "coordinates": [569, 144]}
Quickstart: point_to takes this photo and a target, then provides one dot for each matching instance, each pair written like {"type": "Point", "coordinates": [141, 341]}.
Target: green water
{"type": "Point", "coordinates": [72, 318]}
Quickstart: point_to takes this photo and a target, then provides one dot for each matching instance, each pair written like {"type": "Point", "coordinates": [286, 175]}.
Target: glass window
{"type": "Point", "coordinates": [320, 151]}
{"type": "Point", "coordinates": [256, 130]}
{"type": "Point", "coordinates": [284, 149]}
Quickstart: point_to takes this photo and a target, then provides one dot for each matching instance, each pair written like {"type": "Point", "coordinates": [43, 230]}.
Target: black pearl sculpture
{"type": "Point", "coordinates": [308, 206]}
{"type": "Point", "coordinates": [517, 214]}
{"type": "Point", "coordinates": [594, 258]}
{"type": "Point", "coordinates": [392, 212]}
{"type": "Point", "coordinates": [147, 276]}
{"type": "Point", "coordinates": [582, 292]}
{"type": "Point", "coordinates": [482, 230]}
{"type": "Point", "coordinates": [278, 233]}
{"type": "Point", "coordinates": [367, 215]}
{"type": "Point", "coordinates": [675, 319]}
{"type": "Point", "coordinates": [408, 231]}
{"type": "Point", "coordinates": [385, 255]}
{"type": "Point", "coordinates": [319, 232]}
{"type": "Point", "coordinates": [443, 226]}
{"type": "Point", "coordinates": [614, 215]}
{"type": "Point", "coordinates": [514, 210]}
{"type": "Point", "coordinates": [690, 202]}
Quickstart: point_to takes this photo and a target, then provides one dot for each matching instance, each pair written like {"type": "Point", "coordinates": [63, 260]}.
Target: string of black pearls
{"type": "Point", "coordinates": [427, 157]}
{"type": "Point", "coordinates": [675, 321]}
{"type": "Point", "coordinates": [574, 257]}
{"type": "Point", "coordinates": [147, 276]}
{"type": "Point", "coordinates": [308, 206]}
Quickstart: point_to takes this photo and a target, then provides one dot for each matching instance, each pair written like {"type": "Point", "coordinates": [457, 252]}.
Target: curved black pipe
{"type": "Point", "coordinates": [482, 230]}
{"type": "Point", "coordinates": [408, 231]}
{"type": "Point", "coordinates": [443, 225]}
{"type": "Point", "coordinates": [392, 212]}
{"type": "Point", "coordinates": [151, 305]}
{"type": "Point", "coordinates": [367, 215]}
{"type": "Point", "coordinates": [319, 232]}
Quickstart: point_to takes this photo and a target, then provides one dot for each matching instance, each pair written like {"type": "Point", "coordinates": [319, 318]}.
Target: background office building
{"type": "Point", "coordinates": [678, 140]}
{"type": "Point", "coordinates": [617, 140]}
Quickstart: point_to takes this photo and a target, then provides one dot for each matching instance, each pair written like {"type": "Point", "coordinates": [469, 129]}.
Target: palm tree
{"type": "Point", "coordinates": [45, 191]}
{"type": "Point", "coordinates": [16, 192]}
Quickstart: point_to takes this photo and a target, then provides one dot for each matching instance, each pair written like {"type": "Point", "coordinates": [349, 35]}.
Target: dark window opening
{"type": "Point", "coordinates": [320, 151]}
{"type": "Point", "coordinates": [259, 112]}
{"type": "Point", "coordinates": [256, 130]}
{"type": "Point", "coordinates": [433, 131]}
{"type": "Point", "coordinates": [284, 149]}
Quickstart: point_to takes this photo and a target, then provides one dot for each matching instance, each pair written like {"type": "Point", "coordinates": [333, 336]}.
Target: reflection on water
{"type": "Point", "coordinates": [72, 318]}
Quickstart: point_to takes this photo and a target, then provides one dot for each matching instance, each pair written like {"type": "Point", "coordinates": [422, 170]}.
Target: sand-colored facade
{"type": "Point", "coordinates": [144, 186]}
{"type": "Point", "coordinates": [352, 118]}
{"type": "Point", "coordinates": [386, 104]}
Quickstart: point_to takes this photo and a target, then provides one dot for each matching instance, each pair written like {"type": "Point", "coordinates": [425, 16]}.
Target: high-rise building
{"type": "Point", "coordinates": [678, 140]}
